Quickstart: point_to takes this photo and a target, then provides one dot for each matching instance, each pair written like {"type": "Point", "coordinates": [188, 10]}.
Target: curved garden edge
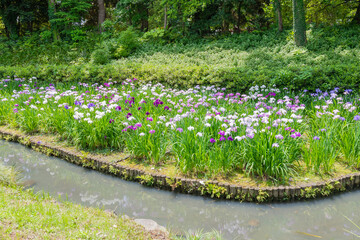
{"type": "Point", "coordinates": [213, 189]}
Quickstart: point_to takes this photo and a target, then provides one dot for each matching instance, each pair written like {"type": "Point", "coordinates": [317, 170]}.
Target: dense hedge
{"type": "Point", "coordinates": [238, 78]}
{"type": "Point", "coordinates": [330, 59]}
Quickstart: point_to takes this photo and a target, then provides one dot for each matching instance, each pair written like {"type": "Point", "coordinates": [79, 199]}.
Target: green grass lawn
{"type": "Point", "coordinates": [25, 215]}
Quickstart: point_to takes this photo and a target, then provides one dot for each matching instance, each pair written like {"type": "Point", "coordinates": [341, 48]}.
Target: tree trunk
{"type": "Point", "coordinates": [101, 13]}
{"type": "Point", "coordinates": [52, 11]}
{"type": "Point", "coordinates": [11, 26]}
{"type": "Point", "coordinates": [30, 26]}
{"type": "Point", "coordinates": [279, 20]}
{"type": "Point", "coordinates": [225, 22]}
{"type": "Point", "coordinates": [144, 18]}
{"type": "Point", "coordinates": [240, 19]}
{"type": "Point", "coordinates": [165, 18]}
{"type": "Point", "coordinates": [356, 18]}
{"type": "Point", "coordinates": [130, 16]}
{"type": "Point", "coordinates": [225, 27]}
{"type": "Point", "coordinates": [9, 18]}
{"type": "Point", "coordinates": [299, 22]}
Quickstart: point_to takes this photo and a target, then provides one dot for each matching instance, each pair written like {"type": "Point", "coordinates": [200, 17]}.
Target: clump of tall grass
{"type": "Point", "coordinates": [8, 176]}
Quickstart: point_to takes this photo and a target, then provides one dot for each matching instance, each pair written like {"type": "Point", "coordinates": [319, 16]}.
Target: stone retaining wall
{"type": "Point", "coordinates": [213, 189]}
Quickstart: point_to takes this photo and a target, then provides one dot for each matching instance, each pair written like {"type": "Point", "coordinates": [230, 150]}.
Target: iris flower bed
{"type": "Point", "coordinates": [264, 133]}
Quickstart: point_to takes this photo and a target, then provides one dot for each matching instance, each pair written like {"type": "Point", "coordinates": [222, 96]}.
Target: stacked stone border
{"type": "Point", "coordinates": [213, 189]}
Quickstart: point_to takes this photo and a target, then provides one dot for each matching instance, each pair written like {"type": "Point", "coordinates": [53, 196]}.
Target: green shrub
{"type": "Point", "coordinates": [46, 36]}
{"type": "Point", "coordinates": [237, 78]}
{"type": "Point", "coordinates": [78, 35]}
{"type": "Point", "coordinates": [156, 35]}
{"type": "Point", "coordinates": [128, 40]}
{"type": "Point", "coordinates": [111, 44]}
{"type": "Point", "coordinates": [100, 56]}
{"type": "Point", "coordinates": [122, 51]}
{"type": "Point", "coordinates": [124, 45]}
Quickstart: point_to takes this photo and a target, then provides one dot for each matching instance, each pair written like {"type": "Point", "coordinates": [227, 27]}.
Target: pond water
{"type": "Point", "coordinates": [180, 212]}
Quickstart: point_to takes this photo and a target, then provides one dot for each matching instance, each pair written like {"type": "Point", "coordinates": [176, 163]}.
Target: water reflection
{"type": "Point", "coordinates": [180, 212]}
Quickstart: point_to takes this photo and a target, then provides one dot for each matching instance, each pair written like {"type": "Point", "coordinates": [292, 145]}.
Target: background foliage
{"type": "Point", "coordinates": [224, 42]}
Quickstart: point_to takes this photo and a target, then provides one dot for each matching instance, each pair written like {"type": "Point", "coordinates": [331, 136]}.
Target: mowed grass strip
{"type": "Point", "coordinates": [26, 215]}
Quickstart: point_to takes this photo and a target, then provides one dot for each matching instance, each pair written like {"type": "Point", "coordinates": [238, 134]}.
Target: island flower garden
{"type": "Point", "coordinates": [266, 133]}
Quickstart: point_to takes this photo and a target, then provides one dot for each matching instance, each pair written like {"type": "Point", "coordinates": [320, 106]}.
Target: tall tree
{"type": "Point", "coordinates": [69, 15]}
{"type": "Point", "coordinates": [52, 11]}
{"type": "Point", "coordinates": [9, 11]}
{"type": "Point", "coordinates": [279, 20]}
{"type": "Point", "coordinates": [134, 12]}
{"type": "Point", "coordinates": [20, 16]}
{"type": "Point", "coordinates": [299, 22]}
{"type": "Point", "coordinates": [101, 13]}
{"type": "Point", "coordinates": [356, 18]}
{"type": "Point", "coordinates": [165, 17]}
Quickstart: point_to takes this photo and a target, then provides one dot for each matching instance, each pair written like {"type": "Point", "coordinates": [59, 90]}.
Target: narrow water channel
{"type": "Point", "coordinates": [182, 212]}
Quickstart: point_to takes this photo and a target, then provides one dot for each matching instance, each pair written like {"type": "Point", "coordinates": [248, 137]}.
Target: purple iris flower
{"type": "Point", "coordinates": [357, 118]}
{"type": "Point", "coordinates": [316, 138]}
{"type": "Point", "coordinates": [152, 131]}
{"type": "Point", "coordinates": [166, 108]}
{"type": "Point", "coordinates": [279, 136]}
{"type": "Point", "coordinates": [132, 128]}
{"type": "Point", "coordinates": [111, 121]}
{"type": "Point", "coordinates": [251, 135]}
{"type": "Point", "coordinates": [66, 107]}
{"type": "Point", "coordinates": [230, 138]}
{"type": "Point", "coordinates": [118, 108]}
{"type": "Point", "coordinates": [222, 139]}
{"type": "Point", "coordinates": [212, 140]}
{"type": "Point", "coordinates": [179, 130]}
{"type": "Point", "coordinates": [91, 105]}
{"type": "Point", "coordinates": [77, 103]}
{"type": "Point", "coordinates": [158, 102]}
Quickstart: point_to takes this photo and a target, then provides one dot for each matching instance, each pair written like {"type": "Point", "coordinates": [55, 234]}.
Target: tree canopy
{"type": "Point", "coordinates": [67, 18]}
